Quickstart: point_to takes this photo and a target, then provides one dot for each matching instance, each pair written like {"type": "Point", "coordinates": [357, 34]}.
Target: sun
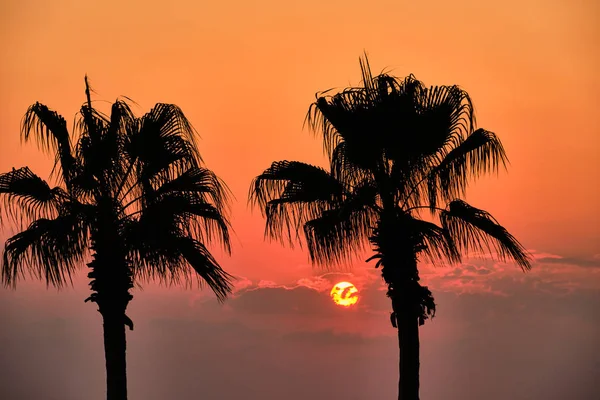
{"type": "Point", "coordinates": [344, 294]}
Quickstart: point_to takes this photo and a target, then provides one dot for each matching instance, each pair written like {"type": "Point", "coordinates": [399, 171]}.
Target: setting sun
{"type": "Point", "coordinates": [344, 294]}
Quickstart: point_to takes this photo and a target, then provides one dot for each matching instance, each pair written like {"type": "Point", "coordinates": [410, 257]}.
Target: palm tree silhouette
{"type": "Point", "coordinates": [134, 195]}
{"type": "Point", "coordinates": [396, 148]}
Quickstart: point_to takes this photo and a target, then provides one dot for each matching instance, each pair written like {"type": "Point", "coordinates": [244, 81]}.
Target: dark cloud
{"type": "Point", "coordinates": [588, 262]}
{"type": "Point", "coordinates": [498, 334]}
{"type": "Point", "coordinates": [280, 300]}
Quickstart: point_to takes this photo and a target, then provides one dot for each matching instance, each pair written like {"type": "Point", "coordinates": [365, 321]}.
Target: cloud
{"type": "Point", "coordinates": [592, 262]}
{"type": "Point", "coordinates": [534, 345]}
{"type": "Point", "coordinates": [538, 339]}
{"type": "Point", "coordinates": [550, 273]}
{"type": "Point", "coordinates": [281, 300]}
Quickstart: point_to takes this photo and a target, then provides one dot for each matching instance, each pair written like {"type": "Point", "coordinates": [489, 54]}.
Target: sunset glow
{"type": "Point", "coordinates": [344, 294]}
{"type": "Point", "coordinates": [245, 75]}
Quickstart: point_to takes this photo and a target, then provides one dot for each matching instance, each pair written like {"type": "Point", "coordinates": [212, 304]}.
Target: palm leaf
{"type": "Point", "coordinates": [171, 257]}
{"type": "Point", "coordinates": [476, 230]}
{"type": "Point", "coordinates": [28, 195]}
{"type": "Point", "coordinates": [94, 153]}
{"type": "Point", "coordinates": [445, 115]}
{"type": "Point", "coordinates": [122, 122]}
{"type": "Point", "coordinates": [402, 235]}
{"type": "Point", "coordinates": [338, 234]}
{"type": "Point", "coordinates": [189, 214]}
{"type": "Point", "coordinates": [164, 136]}
{"type": "Point", "coordinates": [344, 118]}
{"type": "Point", "coordinates": [289, 193]}
{"type": "Point", "coordinates": [48, 249]}
{"type": "Point", "coordinates": [480, 152]}
{"type": "Point", "coordinates": [52, 134]}
{"type": "Point", "coordinates": [335, 234]}
{"type": "Point", "coordinates": [344, 168]}
{"type": "Point", "coordinates": [200, 181]}
{"type": "Point", "coordinates": [204, 264]}
{"type": "Point", "coordinates": [433, 241]}
{"type": "Point", "coordinates": [162, 146]}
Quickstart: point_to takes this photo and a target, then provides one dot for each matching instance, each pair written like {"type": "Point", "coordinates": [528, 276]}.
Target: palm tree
{"type": "Point", "coordinates": [134, 195]}
{"type": "Point", "coordinates": [396, 148]}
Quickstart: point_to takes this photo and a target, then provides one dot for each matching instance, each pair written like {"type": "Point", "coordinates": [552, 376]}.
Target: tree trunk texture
{"type": "Point", "coordinates": [397, 248]}
{"type": "Point", "coordinates": [115, 355]}
{"type": "Point", "coordinates": [408, 343]}
{"type": "Point", "coordinates": [111, 280]}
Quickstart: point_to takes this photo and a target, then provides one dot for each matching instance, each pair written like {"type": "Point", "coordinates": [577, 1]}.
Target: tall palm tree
{"type": "Point", "coordinates": [396, 148]}
{"type": "Point", "coordinates": [133, 194]}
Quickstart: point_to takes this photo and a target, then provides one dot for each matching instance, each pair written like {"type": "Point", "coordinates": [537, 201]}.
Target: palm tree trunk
{"type": "Point", "coordinates": [111, 281]}
{"type": "Point", "coordinates": [114, 353]}
{"type": "Point", "coordinates": [408, 342]}
{"type": "Point", "coordinates": [397, 250]}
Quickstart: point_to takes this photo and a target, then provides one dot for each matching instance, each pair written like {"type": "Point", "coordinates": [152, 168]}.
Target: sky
{"type": "Point", "coordinates": [245, 73]}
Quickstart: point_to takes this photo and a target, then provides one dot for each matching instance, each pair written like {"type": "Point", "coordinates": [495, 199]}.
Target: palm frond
{"type": "Point", "coordinates": [50, 130]}
{"type": "Point", "coordinates": [344, 118]}
{"type": "Point", "coordinates": [445, 116]}
{"type": "Point", "coordinates": [337, 234]}
{"type": "Point", "coordinates": [432, 241]}
{"type": "Point", "coordinates": [170, 121]}
{"type": "Point", "coordinates": [91, 123]}
{"type": "Point", "coordinates": [171, 257]}
{"type": "Point", "coordinates": [409, 182]}
{"type": "Point", "coordinates": [481, 152]}
{"type": "Point", "coordinates": [344, 169]}
{"type": "Point", "coordinates": [188, 214]}
{"type": "Point", "coordinates": [400, 120]}
{"type": "Point", "coordinates": [48, 249]}
{"type": "Point", "coordinates": [95, 154]}
{"type": "Point", "coordinates": [26, 195]}
{"type": "Point", "coordinates": [289, 193]}
{"type": "Point", "coordinates": [122, 121]}
{"type": "Point", "coordinates": [164, 136]}
{"type": "Point", "coordinates": [205, 265]}
{"type": "Point", "coordinates": [200, 181]}
{"type": "Point", "coordinates": [401, 236]}
{"type": "Point", "coordinates": [477, 230]}
{"type": "Point", "coordinates": [308, 182]}
{"type": "Point", "coordinates": [162, 146]}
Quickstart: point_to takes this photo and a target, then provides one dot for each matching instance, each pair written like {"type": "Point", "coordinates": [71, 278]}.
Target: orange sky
{"type": "Point", "coordinates": [245, 73]}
